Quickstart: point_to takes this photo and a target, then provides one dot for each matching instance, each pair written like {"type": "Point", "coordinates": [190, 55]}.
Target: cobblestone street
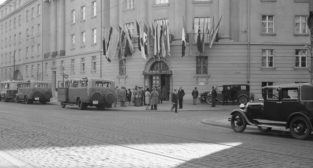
{"type": "Point", "coordinates": [49, 136]}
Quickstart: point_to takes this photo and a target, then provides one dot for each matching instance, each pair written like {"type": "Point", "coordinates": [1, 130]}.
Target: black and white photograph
{"type": "Point", "coordinates": [156, 83]}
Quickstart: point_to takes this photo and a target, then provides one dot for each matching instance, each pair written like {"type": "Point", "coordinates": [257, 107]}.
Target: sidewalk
{"type": "Point", "coordinates": [218, 115]}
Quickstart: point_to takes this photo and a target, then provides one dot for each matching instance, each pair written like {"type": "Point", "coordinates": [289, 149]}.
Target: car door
{"type": "Point", "coordinates": [272, 104]}
{"type": "Point", "coordinates": [289, 102]}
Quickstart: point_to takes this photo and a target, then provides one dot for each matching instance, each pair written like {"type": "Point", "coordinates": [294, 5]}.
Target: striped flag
{"type": "Point", "coordinates": [215, 32]}
{"type": "Point", "coordinates": [183, 39]}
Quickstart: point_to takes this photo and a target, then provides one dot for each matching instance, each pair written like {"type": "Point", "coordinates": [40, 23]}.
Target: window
{"type": "Point", "coordinates": [19, 20]}
{"type": "Point", "coordinates": [301, 58]}
{"type": "Point", "coordinates": [129, 4]}
{"type": "Point", "coordinates": [26, 15]}
{"type": "Point", "coordinates": [27, 52]}
{"type": "Point", "coordinates": [131, 27]}
{"type": "Point", "coordinates": [94, 64]}
{"type": "Point", "coordinates": [268, 94]}
{"type": "Point", "coordinates": [301, 25]}
{"type": "Point", "coordinates": [72, 66]}
{"type": "Point", "coordinates": [46, 68]}
{"type": "Point", "coordinates": [33, 13]}
{"type": "Point", "coordinates": [38, 70]}
{"type": "Point", "coordinates": [38, 50]}
{"type": "Point", "coordinates": [158, 2]}
{"type": "Point", "coordinates": [83, 39]}
{"type": "Point", "coordinates": [82, 65]}
{"type": "Point", "coordinates": [73, 16]}
{"type": "Point", "coordinates": [94, 36]}
{"type": "Point", "coordinates": [122, 67]}
{"type": "Point", "coordinates": [32, 71]}
{"type": "Point", "coordinates": [268, 24]}
{"type": "Point", "coordinates": [83, 13]}
{"type": "Point", "coordinates": [267, 58]}
{"type": "Point", "coordinates": [94, 8]}
{"type": "Point", "coordinates": [38, 10]}
{"type": "Point", "coordinates": [201, 65]}
{"type": "Point", "coordinates": [32, 51]}
{"type": "Point", "coordinates": [62, 67]}
{"type": "Point", "coordinates": [202, 25]}
{"type": "Point", "coordinates": [38, 29]}
{"type": "Point", "coordinates": [14, 23]}
{"type": "Point", "coordinates": [73, 39]}
{"type": "Point", "coordinates": [26, 71]}
{"type": "Point", "coordinates": [161, 21]}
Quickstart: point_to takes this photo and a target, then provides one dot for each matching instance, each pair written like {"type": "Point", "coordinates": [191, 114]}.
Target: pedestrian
{"type": "Point", "coordinates": [160, 94]}
{"type": "Point", "coordinates": [195, 95]}
{"type": "Point", "coordinates": [129, 96]}
{"type": "Point", "coordinates": [174, 101]}
{"type": "Point", "coordinates": [147, 98]}
{"type": "Point", "coordinates": [214, 95]}
{"type": "Point", "coordinates": [154, 99]}
{"type": "Point", "coordinates": [180, 95]}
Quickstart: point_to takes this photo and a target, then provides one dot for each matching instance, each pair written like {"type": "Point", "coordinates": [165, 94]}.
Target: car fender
{"type": "Point", "coordinates": [242, 112]}
{"type": "Point", "coordinates": [303, 114]}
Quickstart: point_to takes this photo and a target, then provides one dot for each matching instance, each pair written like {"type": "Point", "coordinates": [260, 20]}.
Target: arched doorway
{"type": "Point", "coordinates": [158, 74]}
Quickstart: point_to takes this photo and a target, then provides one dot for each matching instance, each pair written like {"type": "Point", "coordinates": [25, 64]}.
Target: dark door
{"type": "Point", "coordinates": [165, 86]}
{"type": "Point", "coordinates": [272, 105]}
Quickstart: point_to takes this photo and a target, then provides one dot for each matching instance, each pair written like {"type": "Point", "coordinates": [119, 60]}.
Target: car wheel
{"type": "Point", "coordinates": [208, 100]}
{"type": "Point", "coordinates": [238, 123]}
{"type": "Point", "coordinates": [300, 127]}
{"type": "Point", "coordinates": [243, 100]}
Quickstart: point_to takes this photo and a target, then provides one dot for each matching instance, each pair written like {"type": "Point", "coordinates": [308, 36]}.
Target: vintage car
{"type": "Point", "coordinates": [8, 90]}
{"type": "Point", "coordinates": [228, 94]}
{"type": "Point", "coordinates": [87, 92]}
{"type": "Point", "coordinates": [30, 91]}
{"type": "Point", "coordinates": [289, 106]}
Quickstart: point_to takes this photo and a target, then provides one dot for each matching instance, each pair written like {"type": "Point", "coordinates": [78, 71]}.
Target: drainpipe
{"type": "Point", "coordinates": [101, 38]}
{"type": "Point", "coordinates": [249, 42]}
{"type": "Point", "coordinates": [310, 25]}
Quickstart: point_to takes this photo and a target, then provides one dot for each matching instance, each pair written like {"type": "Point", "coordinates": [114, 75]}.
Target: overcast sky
{"type": "Point", "coordinates": [1, 1]}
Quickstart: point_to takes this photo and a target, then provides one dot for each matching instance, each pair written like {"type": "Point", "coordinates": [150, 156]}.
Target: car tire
{"type": "Point", "coordinates": [243, 99]}
{"type": "Point", "coordinates": [208, 100]}
{"type": "Point", "coordinates": [300, 127]}
{"type": "Point", "coordinates": [238, 122]}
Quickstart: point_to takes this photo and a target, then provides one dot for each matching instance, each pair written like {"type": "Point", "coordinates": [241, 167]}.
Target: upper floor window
{"type": "Point", "coordinates": [73, 39]}
{"type": "Point", "coordinates": [301, 25]}
{"type": "Point", "coordinates": [33, 12]}
{"type": "Point", "coordinates": [83, 13]}
{"type": "Point", "coordinates": [38, 10]}
{"type": "Point", "coordinates": [94, 8]}
{"type": "Point", "coordinates": [267, 58]}
{"type": "Point", "coordinates": [201, 65]}
{"type": "Point", "coordinates": [129, 4]}
{"type": "Point", "coordinates": [73, 16]}
{"type": "Point", "coordinates": [26, 15]}
{"type": "Point", "coordinates": [72, 66]}
{"type": "Point", "coordinates": [301, 58]}
{"type": "Point", "coordinates": [158, 2]}
{"type": "Point", "coordinates": [202, 25]}
{"type": "Point", "coordinates": [268, 24]}
{"type": "Point", "coordinates": [94, 64]}
{"type": "Point", "coordinates": [83, 39]}
{"type": "Point", "coordinates": [94, 36]}
{"type": "Point", "coordinates": [82, 65]}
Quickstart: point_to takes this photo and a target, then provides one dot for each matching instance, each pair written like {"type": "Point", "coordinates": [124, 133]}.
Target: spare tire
{"type": "Point", "coordinates": [109, 96]}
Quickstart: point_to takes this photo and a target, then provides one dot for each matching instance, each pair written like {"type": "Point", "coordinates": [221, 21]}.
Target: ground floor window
{"type": "Point", "coordinates": [201, 65]}
{"type": "Point", "coordinates": [122, 67]}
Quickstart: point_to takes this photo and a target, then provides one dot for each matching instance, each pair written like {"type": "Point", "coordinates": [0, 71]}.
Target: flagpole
{"type": "Point", "coordinates": [101, 38]}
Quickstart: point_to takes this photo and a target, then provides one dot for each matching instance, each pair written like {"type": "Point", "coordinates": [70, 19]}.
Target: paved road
{"type": "Point", "coordinates": [49, 136]}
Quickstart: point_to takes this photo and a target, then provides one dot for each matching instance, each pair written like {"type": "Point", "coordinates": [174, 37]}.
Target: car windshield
{"type": "Point", "coordinates": [307, 93]}
{"type": "Point", "coordinates": [104, 84]}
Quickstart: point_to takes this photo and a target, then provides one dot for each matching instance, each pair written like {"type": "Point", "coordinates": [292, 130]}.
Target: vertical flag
{"type": "Point", "coordinates": [145, 39]}
{"type": "Point", "coordinates": [203, 38]}
{"type": "Point", "coordinates": [168, 40]}
{"type": "Point", "coordinates": [139, 35]}
{"type": "Point", "coordinates": [199, 44]}
{"type": "Point", "coordinates": [155, 50]}
{"type": "Point", "coordinates": [215, 32]}
{"type": "Point", "coordinates": [129, 48]}
{"type": "Point", "coordinates": [183, 39]}
{"type": "Point", "coordinates": [104, 47]}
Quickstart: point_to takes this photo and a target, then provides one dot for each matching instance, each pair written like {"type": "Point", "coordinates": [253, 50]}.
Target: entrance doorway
{"type": "Point", "coordinates": [157, 74]}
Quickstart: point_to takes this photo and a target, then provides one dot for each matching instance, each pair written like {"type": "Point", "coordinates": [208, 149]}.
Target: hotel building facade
{"type": "Point", "coordinates": [259, 42]}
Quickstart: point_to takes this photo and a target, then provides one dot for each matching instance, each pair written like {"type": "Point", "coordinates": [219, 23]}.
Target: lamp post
{"type": "Point", "coordinates": [310, 46]}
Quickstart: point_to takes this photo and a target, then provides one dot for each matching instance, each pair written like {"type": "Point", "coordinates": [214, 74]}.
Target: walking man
{"type": "Point", "coordinates": [195, 95]}
{"type": "Point", "coordinates": [174, 101]}
{"type": "Point", "coordinates": [180, 95]}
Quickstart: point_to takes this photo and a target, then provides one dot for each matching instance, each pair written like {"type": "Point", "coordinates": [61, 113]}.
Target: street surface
{"type": "Point", "coordinates": [49, 136]}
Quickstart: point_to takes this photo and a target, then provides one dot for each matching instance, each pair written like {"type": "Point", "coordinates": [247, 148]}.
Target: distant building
{"type": "Point", "coordinates": [260, 42]}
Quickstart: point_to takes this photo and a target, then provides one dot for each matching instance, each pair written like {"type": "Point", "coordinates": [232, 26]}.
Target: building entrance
{"type": "Point", "coordinates": [158, 75]}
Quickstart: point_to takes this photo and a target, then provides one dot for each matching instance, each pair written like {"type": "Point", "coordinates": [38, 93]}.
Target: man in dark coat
{"type": "Point", "coordinates": [180, 95]}
{"type": "Point", "coordinates": [195, 95]}
{"type": "Point", "coordinates": [214, 95]}
{"type": "Point", "coordinates": [174, 101]}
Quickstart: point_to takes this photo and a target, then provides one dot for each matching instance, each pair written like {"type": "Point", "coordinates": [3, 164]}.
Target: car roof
{"type": "Point", "coordinates": [289, 85]}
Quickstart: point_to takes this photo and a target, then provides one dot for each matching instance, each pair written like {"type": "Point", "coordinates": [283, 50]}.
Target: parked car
{"type": "Point", "coordinates": [30, 91]}
{"type": "Point", "coordinates": [289, 106]}
{"type": "Point", "coordinates": [8, 90]}
{"type": "Point", "coordinates": [87, 92]}
{"type": "Point", "coordinates": [228, 94]}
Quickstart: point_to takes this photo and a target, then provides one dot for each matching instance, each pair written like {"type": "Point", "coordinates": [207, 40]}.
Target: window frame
{"type": "Point", "coordinates": [268, 54]}
{"type": "Point", "coordinates": [202, 65]}
{"type": "Point", "coordinates": [265, 24]}
{"type": "Point", "coordinates": [302, 22]}
{"type": "Point", "coordinates": [299, 57]}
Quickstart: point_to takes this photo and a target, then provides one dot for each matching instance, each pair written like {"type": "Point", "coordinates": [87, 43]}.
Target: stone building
{"type": "Point", "coordinates": [260, 42]}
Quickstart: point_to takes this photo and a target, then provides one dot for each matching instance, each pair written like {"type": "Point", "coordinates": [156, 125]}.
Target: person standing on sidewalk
{"type": "Point", "coordinates": [147, 98]}
{"type": "Point", "coordinates": [180, 95]}
{"type": "Point", "coordinates": [174, 101]}
{"type": "Point", "coordinates": [195, 95]}
{"type": "Point", "coordinates": [214, 95]}
{"type": "Point", "coordinates": [154, 99]}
